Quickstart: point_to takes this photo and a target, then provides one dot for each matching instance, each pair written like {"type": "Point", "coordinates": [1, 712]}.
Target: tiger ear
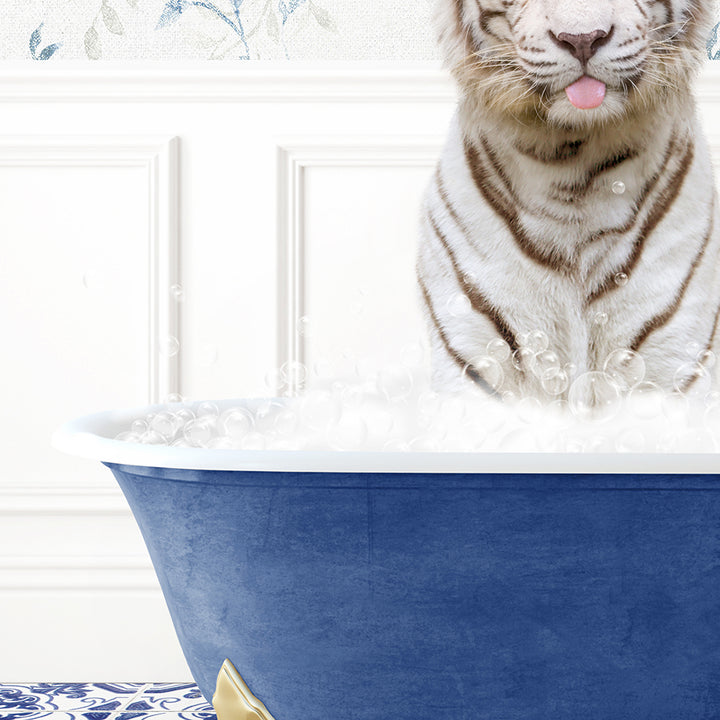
{"type": "Point", "coordinates": [453, 33]}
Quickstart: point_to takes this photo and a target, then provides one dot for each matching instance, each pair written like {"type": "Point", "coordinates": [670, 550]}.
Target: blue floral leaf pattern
{"type": "Point", "coordinates": [35, 39]}
{"type": "Point", "coordinates": [171, 13]}
{"type": "Point", "coordinates": [713, 46]}
{"type": "Point", "coordinates": [48, 52]}
{"type": "Point", "coordinates": [288, 8]}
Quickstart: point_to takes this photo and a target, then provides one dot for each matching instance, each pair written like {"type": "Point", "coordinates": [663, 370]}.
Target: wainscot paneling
{"type": "Point", "coordinates": [280, 203]}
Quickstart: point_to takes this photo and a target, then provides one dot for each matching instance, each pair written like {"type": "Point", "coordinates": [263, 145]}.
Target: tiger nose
{"type": "Point", "coordinates": [584, 45]}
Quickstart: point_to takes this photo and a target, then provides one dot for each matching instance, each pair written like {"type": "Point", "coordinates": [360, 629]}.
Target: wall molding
{"type": "Point", "coordinates": [157, 156]}
{"type": "Point", "coordinates": [86, 572]}
{"type": "Point", "coordinates": [256, 81]}
{"type": "Point", "coordinates": [26, 500]}
{"type": "Point", "coordinates": [76, 573]}
{"type": "Point", "coordinates": [35, 505]}
{"type": "Point", "coordinates": [294, 157]}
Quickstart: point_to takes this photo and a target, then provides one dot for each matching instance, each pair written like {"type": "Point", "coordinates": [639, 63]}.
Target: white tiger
{"type": "Point", "coordinates": [574, 201]}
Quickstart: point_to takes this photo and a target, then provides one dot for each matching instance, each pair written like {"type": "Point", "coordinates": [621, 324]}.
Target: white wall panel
{"type": "Point", "coordinates": [347, 247]}
{"type": "Point", "coordinates": [298, 190]}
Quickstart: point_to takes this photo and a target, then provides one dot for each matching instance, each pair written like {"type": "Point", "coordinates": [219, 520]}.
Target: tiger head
{"type": "Point", "coordinates": [574, 63]}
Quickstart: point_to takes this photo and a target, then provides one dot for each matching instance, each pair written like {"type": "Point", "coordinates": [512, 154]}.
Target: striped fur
{"type": "Point", "coordinates": [520, 217]}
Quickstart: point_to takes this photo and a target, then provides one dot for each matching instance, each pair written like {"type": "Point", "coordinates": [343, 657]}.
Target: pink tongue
{"type": "Point", "coordinates": [586, 93]}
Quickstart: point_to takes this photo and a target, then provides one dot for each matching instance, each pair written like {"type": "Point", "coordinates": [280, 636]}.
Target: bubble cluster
{"type": "Point", "coordinates": [347, 403]}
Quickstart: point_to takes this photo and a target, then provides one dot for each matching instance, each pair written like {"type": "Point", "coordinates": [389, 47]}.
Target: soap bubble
{"type": "Point", "coordinates": [621, 279]}
{"type": "Point", "coordinates": [625, 367]}
{"type": "Point", "coordinates": [522, 358]}
{"type": "Point", "coordinates": [593, 395]}
{"type": "Point", "coordinates": [293, 373]}
{"type": "Point", "coordinates": [151, 437]}
{"type": "Point", "coordinates": [555, 381]}
{"type": "Point", "coordinates": [265, 414]}
{"type": "Point", "coordinates": [174, 398]}
{"type": "Point", "coordinates": [692, 349]}
{"type": "Point", "coordinates": [536, 341]}
{"type": "Point", "coordinates": [169, 346]}
{"type": "Point", "coordinates": [207, 409]}
{"type": "Point", "coordinates": [675, 407]}
{"type": "Point", "coordinates": [304, 326]}
{"type": "Point", "coordinates": [198, 432]}
{"type": "Point", "coordinates": [273, 380]}
{"type": "Point", "coordinates": [692, 380]}
{"type": "Point", "coordinates": [395, 382]}
{"type": "Point", "coordinates": [411, 355]}
{"type": "Point", "coordinates": [600, 318]}
{"type": "Point", "coordinates": [357, 306]}
{"type": "Point", "coordinates": [165, 424]}
{"type": "Point", "coordinates": [618, 187]}
{"type": "Point", "coordinates": [286, 422]}
{"type": "Point", "coordinates": [459, 305]}
{"type": "Point", "coordinates": [706, 358]}
{"type": "Point", "coordinates": [92, 279]}
{"type": "Point", "coordinates": [236, 422]}
{"type": "Point", "coordinates": [128, 436]}
{"type": "Point", "coordinates": [139, 426]}
{"type": "Point", "coordinates": [177, 293]}
{"type": "Point", "coordinates": [712, 399]}
{"type": "Point", "coordinates": [488, 369]}
{"type": "Point", "coordinates": [645, 400]}
{"type": "Point", "coordinates": [351, 396]}
{"type": "Point", "coordinates": [498, 349]}
{"type": "Point", "coordinates": [544, 361]}
{"type": "Point", "coordinates": [184, 415]}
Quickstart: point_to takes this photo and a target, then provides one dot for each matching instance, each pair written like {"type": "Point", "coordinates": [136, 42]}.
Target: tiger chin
{"type": "Point", "coordinates": [572, 219]}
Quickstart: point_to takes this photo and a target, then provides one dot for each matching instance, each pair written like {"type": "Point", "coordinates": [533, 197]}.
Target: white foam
{"type": "Point", "coordinates": [387, 417]}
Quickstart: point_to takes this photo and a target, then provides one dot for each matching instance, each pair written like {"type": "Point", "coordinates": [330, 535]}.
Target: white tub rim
{"type": "Point", "coordinates": [92, 437]}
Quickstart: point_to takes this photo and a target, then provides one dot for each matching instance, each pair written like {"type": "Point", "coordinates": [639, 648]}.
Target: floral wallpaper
{"type": "Point", "coordinates": [42, 30]}
{"type": "Point", "coordinates": [45, 30]}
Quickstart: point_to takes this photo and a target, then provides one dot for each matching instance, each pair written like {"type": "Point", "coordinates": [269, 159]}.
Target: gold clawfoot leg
{"type": "Point", "coordinates": [233, 700]}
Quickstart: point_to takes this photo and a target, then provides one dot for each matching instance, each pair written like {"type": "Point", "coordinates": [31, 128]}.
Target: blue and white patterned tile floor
{"type": "Point", "coordinates": [103, 701]}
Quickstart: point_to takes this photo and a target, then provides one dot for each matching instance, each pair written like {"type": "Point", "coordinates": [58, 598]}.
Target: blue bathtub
{"type": "Point", "coordinates": [348, 586]}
